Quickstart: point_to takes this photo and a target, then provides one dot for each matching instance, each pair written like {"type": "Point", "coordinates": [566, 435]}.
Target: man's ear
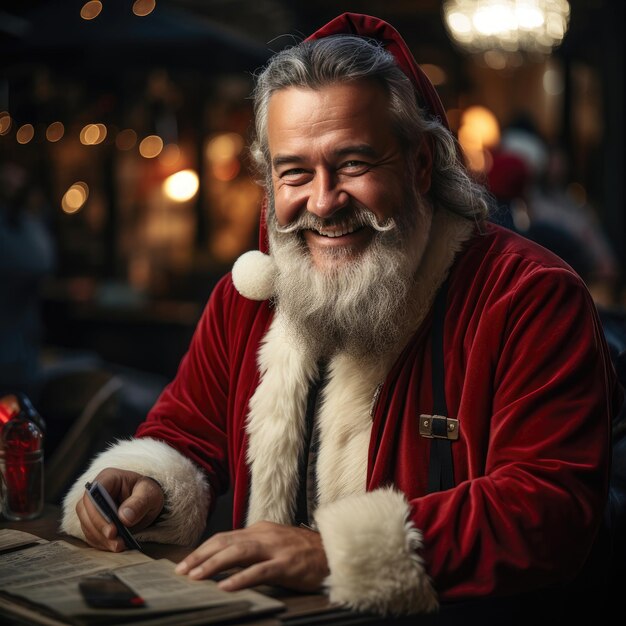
{"type": "Point", "coordinates": [424, 164]}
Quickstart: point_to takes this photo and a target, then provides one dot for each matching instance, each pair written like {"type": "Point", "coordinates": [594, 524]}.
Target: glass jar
{"type": "Point", "coordinates": [21, 464]}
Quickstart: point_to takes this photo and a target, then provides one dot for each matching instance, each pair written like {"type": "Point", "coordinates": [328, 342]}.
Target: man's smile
{"type": "Point", "coordinates": [354, 238]}
{"type": "Point", "coordinates": [337, 231]}
{"type": "Point", "coordinates": [341, 229]}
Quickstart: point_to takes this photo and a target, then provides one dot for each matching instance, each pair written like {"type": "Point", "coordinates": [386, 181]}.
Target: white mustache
{"type": "Point", "coordinates": [347, 222]}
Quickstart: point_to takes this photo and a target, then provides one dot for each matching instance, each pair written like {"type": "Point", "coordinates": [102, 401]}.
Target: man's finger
{"type": "Point", "coordinates": [143, 506]}
{"type": "Point", "coordinates": [237, 554]}
{"type": "Point", "coordinates": [206, 550]}
{"type": "Point", "coordinates": [98, 532]}
{"type": "Point", "coordinates": [265, 572]}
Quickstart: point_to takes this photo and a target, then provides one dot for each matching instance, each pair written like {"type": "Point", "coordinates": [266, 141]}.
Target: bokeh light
{"type": "Point", "coordinates": [479, 130]}
{"type": "Point", "coordinates": [142, 8]}
{"type": "Point", "coordinates": [435, 73]}
{"type": "Point", "coordinates": [126, 139]}
{"type": "Point", "coordinates": [25, 133]}
{"type": "Point", "coordinates": [151, 146]}
{"type": "Point", "coordinates": [75, 197]}
{"type": "Point", "coordinates": [224, 147]}
{"type": "Point", "coordinates": [55, 132]}
{"type": "Point", "coordinates": [181, 186]}
{"type": "Point", "coordinates": [93, 134]}
{"type": "Point", "coordinates": [91, 9]}
{"type": "Point", "coordinates": [5, 122]}
{"type": "Point", "coordinates": [222, 152]}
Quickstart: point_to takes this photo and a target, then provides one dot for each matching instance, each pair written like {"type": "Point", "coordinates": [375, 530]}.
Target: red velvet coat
{"type": "Point", "coordinates": [527, 375]}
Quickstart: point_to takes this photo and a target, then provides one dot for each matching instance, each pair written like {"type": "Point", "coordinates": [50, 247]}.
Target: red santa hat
{"type": "Point", "coordinates": [252, 273]}
{"type": "Point", "coordinates": [508, 176]}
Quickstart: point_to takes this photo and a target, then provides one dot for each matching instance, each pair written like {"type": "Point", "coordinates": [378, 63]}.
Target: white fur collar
{"type": "Point", "coordinates": [277, 409]}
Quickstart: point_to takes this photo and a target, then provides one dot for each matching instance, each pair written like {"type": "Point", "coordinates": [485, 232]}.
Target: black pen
{"type": "Point", "coordinates": [106, 507]}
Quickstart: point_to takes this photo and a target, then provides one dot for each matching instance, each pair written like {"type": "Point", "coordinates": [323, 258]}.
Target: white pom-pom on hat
{"type": "Point", "coordinates": [253, 275]}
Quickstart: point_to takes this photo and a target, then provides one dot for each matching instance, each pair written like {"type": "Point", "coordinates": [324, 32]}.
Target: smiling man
{"type": "Point", "coordinates": [409, 403]}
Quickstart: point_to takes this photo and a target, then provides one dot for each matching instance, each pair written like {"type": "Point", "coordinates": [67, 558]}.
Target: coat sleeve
{"type": "Point", "coordinates": [190, 415]}
{"type": "Point", "coordinates": [529, 519]}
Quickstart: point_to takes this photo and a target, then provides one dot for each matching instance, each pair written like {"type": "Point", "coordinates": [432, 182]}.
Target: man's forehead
{"type": "Point", "coordinates": [351, 98]}
{"type": "Point", "coordinates": [333, 90]}
{"type": "Point", "coordinates": [349, 115]}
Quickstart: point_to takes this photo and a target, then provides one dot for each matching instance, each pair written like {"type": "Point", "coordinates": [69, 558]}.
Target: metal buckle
{"type": "Point", "coordinates": [439, 427]}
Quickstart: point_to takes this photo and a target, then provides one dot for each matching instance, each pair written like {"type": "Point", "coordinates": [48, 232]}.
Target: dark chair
{"type": "Point", "coordinates": [86, 410]}
{"type": "Point", "coordinates": [85, 434]}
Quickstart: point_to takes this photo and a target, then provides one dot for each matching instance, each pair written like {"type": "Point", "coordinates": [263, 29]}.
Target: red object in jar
{"type": "Point", "coordinates": [21, 449]}
{"type": "Point", "coordinates": [9, 407]}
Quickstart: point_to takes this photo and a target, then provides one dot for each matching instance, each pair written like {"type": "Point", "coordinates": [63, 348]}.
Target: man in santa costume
{"type": "Point", "coordinates": [409, 404]}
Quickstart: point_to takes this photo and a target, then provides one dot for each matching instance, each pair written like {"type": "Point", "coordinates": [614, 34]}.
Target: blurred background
{"type": "Point", "coordinates": [125, 188]}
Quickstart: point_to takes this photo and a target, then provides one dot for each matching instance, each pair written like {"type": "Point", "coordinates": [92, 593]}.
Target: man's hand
{"type": "Point", "coordinates": [270, 553]}
{"type": "Point", "coordinates": [139, 498]}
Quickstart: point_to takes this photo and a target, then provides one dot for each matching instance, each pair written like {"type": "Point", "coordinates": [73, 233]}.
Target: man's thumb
{"type": "Point", "coordinates": [144, 504]}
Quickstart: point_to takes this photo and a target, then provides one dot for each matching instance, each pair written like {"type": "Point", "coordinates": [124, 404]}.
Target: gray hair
{"type": "Point", "coordinates": [342, 58]}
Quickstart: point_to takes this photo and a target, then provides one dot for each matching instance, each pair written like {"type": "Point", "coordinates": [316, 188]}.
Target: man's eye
{"type": "Point", "coordinates": [354, 167]}
{"type": "Point", "coordinates": [295, 174]}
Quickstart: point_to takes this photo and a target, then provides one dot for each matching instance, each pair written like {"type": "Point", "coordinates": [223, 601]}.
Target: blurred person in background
{"type": "Point", "coordinates": [27, 257]}
{"type": "Point", "coordinates": [508, 179]}
{"type": "Point", "coordinates": [555, 218]}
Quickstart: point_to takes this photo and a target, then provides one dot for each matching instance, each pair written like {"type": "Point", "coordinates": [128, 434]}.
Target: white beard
{"type": "Point", "coordinates": [360, 306]}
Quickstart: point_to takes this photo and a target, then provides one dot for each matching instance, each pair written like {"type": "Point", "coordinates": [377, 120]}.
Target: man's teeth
{"type": "Point", "coordinates": [339, 231]}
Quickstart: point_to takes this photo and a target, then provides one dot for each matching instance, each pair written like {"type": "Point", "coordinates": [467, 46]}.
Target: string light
{"type": "Point", "coordinates": [5, 122]}
{"type": "Point", "coordinates": [55, 132]}
{"type": "Point", "coordinates": [75, 197]}
{"type": "Point", "coordinates": [91, 9]}
{"type": "Point", "coordinates": [141, 8]}
{"type": "Point", "coordinates": [25, 133]}
{"type": "Point", "coordinates": [93, 134]}
{"type": "Point", "coordinates": [151, 146]}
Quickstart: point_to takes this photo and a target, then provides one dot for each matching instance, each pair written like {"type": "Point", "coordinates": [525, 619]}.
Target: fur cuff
{"type": "Point", "coordinates": [253, 275]}
{"type": "Point", "coordinates": [371, 546]}
{"type": "Point", "coordinates": [187, 493]}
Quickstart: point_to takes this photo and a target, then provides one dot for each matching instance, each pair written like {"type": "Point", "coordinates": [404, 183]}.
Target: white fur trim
{"type": "Point", "coordinates": [371, 546]}
{"type": "Point", "coordinates": [345, 426]}
{"type": "Point", "coordinates": [275, 425]}
{"type": "Point", "coordinates": [187, 493]}
{"type": "Point", "coordinates": [253, 275]}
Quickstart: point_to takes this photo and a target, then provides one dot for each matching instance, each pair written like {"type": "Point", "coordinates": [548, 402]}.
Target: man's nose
{"type": "Point", "coordinates": [326, 195]}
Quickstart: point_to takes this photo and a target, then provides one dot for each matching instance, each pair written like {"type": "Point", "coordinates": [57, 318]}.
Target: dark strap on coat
{"type": "Point", "coordinates": [440, 470]}
{"type": "Point", "coordinates": [308, 461]}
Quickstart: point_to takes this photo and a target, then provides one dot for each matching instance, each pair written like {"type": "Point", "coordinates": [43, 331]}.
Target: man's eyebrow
{"type": "Point", "coordinates": [285, 159]}
{"type": "Point", "coordinates": [362, 148]}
